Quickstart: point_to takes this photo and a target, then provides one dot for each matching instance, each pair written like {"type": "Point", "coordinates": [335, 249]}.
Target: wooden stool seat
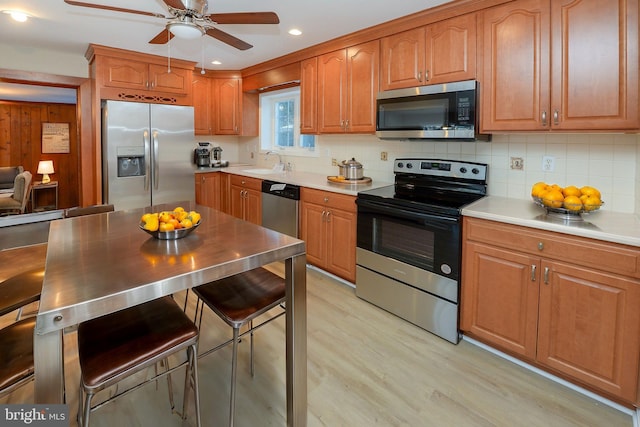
{"type": "Point", "coordinates": [245, 296]}
{"type": "Point", "coordinates": [16, 357]}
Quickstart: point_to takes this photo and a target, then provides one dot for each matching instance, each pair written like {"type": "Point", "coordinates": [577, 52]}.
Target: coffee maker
{"type": "Point", "coordinates": [202, 155]}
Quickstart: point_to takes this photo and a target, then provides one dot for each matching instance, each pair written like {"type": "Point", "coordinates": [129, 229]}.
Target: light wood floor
{"type": "Point", "coordinates": [365, 367]}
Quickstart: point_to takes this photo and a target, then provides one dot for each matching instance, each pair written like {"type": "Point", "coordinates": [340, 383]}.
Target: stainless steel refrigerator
{"type": "Point", "coordinates": [147, 152]}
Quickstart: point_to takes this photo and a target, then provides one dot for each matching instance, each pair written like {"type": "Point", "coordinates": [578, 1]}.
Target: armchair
{"type": "Point", "coordinates": [18, 201]}
{"type": "Point", "coordinates": [8, 175]}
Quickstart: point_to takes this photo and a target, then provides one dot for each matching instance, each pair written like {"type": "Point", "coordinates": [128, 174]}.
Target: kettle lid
{"type": "Point", "coordinates": [353, 163]}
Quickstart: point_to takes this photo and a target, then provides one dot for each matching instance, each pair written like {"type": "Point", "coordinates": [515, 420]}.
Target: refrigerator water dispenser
{"type": "Point", "coordinates": [130, 161]}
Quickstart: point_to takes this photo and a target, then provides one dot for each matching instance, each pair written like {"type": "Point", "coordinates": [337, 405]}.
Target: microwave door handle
{"type": "Point", "coordinates": [147, 159]}
{"type": "Point", "coordinates": [156, 166]}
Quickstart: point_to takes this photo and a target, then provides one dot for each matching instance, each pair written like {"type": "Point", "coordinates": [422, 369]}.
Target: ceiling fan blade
{"type": "Point", "coordinates": [176, 4]}
{"type": "Point", "coordinates": [228, 39]}
{"type": "Point", "coordinates": [245, 18]}
{"type": "Point", "coordinates": [163, 37]}
{"type": "Point", "coordinates": [115, 9]}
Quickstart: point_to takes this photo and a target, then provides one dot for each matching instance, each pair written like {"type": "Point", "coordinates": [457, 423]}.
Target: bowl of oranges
{"type": "Point", "coordinates": [170, 225]}
{"type": "Point", "coordinates": [569, 200]}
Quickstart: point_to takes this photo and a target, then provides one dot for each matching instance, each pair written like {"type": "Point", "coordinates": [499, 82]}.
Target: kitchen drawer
{"type": "Point", "coordinates": [327, 198]}
{"type": "Point", "coordinates": [246, 182]}
{"type": "Point", "coordinates": [611, 257]}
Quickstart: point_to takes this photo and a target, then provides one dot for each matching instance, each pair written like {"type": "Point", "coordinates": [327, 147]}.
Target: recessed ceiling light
{"type": "Point", "coordinates": [216, 62]}
{"type": "Point", "coordinates": [17, 15]}
{"type": "Point", "coordinates": [295, 32]}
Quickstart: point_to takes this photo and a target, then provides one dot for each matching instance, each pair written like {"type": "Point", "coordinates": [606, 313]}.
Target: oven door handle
{"type": "Point", "coordinates": [408, 214]}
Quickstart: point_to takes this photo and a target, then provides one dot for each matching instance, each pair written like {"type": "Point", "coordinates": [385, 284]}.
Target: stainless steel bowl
{"type": "Point", "coordinates": [170, 235]}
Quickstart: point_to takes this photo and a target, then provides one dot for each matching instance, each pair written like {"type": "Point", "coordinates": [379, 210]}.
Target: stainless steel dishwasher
{"type": "Point", "coordinates": [280, 207]}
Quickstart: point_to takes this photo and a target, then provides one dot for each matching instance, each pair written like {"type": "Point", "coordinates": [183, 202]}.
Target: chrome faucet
{"type": "Point", "coordinates": [277, 154]}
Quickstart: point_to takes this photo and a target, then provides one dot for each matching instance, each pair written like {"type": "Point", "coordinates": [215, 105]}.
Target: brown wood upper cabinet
{"type": "Point", "coordinates": [438, 53]}
{"type": "Point", "coordinates": [561, 64]}
{"type": "Point", "coordinates": [217, 105]}
{"type": "Point", "coordinates": [309, 95]}
{"type": "Point", "coordinates": [202, 105]}
{"type": "Point", "coordinates": [128, 74]}
{"type": "Point", "coordinates": [227, 106]}
{"type": "Point", "coordinates": [348, 82]}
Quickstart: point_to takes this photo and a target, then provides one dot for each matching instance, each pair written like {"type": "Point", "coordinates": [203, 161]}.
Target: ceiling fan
{"type": "Point", "coordinates": [189, 20]}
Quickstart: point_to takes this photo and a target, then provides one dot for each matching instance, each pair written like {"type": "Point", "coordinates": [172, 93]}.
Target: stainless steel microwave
{"type": "Point", "coordinates": [443, 111]}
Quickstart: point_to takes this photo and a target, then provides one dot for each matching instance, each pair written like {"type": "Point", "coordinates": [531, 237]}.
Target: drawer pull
{"type": "Point", "coordinates": [533, 272]}
{"type": "Point", "coordinates": [540, 246]}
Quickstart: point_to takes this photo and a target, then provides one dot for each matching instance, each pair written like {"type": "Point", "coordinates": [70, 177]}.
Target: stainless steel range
{"type": "Point", "coordinates": [409, 241]}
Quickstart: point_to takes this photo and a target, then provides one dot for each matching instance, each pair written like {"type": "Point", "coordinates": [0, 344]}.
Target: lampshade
{"type": "Point", "coordinates": [185, 30]}
{"type": "Point", "coordinates": [45, 167]}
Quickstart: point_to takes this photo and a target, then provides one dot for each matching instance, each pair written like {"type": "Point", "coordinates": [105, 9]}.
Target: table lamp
{"type": "Point", "coordinates": [45, 167]}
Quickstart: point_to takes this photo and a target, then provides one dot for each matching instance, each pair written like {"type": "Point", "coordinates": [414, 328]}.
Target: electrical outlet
{"type": "Point", "coordinates": [334, 162]}
{"type": "Point", "coordinates": [548, 163]}
{"type": "Point", "coordinates": [517, 163]}
{"type": "Point", "coordinates": [383, 155]}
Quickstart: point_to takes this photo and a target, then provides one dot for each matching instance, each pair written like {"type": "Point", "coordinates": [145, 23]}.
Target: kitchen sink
{"type": "Point", "coordinates": [260, 171]}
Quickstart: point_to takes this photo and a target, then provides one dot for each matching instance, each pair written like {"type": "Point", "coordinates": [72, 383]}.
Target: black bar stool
{"type": "Point", "coordinates": [238, 300]}
{"type": "Point", "coordinates": [120, 344]}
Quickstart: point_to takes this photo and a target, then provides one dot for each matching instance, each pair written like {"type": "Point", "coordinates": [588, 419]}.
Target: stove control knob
{"type": "Point", "coordinates": [475, 171]}
{"type": "Point", "coordinates": [463, 170]}
{"type": "Point", "coordinates": [400, 165]}
{"type": "Point", "coordinates": [409, 165]}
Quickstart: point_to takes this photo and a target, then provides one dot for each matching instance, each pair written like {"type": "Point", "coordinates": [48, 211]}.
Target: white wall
{"type": "Point", "coordinates": [43, 61]}
{"type": "Point", "coordinates": [609, 162]}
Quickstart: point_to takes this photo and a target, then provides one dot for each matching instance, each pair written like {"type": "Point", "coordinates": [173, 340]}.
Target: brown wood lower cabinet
{"type": "Point", "coordinates": [245, 198]}
{"type": "Point", "coordinates": [568, 304]}
{"type": "Point", "coordinates": [328, 226]}
{"type": "Point", "coordinates": [208, 189]}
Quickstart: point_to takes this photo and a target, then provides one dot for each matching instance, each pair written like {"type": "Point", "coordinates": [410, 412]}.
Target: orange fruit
{"type": "Point", "coordinates": [166, 226]}
{"type": "Point", "coordinates": [553, 199]}
{"type": "Point", "coordinates": [538, 188]}
{"type": "Point", "coordinates": [590, 191]}
{"type": "Point", "coordinates": [571, 190]}
{"type": "Point", "coordinates": [572, 203]}
{"type": "Point", "coordinates": [591, 203]}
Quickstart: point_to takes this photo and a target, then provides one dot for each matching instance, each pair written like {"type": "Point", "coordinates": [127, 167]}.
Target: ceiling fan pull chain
{"type": "Point", "coordinates": [168, 52]}
{"type": "Point", "coordinates": [202, 46]}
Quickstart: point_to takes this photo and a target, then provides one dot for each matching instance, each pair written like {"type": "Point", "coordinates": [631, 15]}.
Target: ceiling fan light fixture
{"type": "Point", "coordinates": [185, 30]}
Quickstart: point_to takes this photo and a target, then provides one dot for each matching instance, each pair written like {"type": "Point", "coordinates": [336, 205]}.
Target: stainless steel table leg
{"type": "Point", "coordinates": [48, 358]}
{"type": "Point", "coordinates": [296, 315]}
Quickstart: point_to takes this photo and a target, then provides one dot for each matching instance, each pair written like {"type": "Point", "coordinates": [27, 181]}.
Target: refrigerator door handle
{"type": "Point", "coordinates": [156, 156]}
{"type": "Point", "coordinates": [147, 157]}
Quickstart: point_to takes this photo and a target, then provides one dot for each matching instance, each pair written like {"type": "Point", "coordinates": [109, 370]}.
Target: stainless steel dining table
{"type": "Point", "coordinates": [99, 264]}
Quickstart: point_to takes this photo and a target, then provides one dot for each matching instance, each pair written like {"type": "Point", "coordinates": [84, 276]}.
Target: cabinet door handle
{"type": "Point", "coordinates": [426, 75]}
{"type": "Point", "coordinates": [556, 117]}
{"type": "Point", "coordinates": [419, 76]}
{"type": "Point", "coordinates": [546, 275]}
{"type": "Point", "coordinates": [346, 124]}
{"type": "Point", "coordinates": [533, 272]}
{"type": "Point", "coordinates": [328, 218]}
{"type": "Point", "coordinates": [544, 118]}
{"type": "Point", "coordinates": [323, 215]}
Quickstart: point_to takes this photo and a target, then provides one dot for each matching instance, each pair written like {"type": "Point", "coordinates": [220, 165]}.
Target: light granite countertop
{"type": "Point", "coordinates": [303, 179]}
{"type": "Point", "coordinates": [623, 228]}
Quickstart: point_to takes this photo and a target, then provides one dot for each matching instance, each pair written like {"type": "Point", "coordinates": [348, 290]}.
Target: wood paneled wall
{"type": "Point", "coordinates": [21, 144]}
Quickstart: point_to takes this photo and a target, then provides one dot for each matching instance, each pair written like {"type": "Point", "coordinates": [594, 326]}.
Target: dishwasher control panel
{"type": "Point", "coordinates": [288, 191]}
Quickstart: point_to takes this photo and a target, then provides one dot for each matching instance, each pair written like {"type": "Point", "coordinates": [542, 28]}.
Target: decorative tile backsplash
{"type": "Point", "coordinates": [610, 162]}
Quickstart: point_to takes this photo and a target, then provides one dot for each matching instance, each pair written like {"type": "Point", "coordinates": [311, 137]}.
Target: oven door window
{"type": "Point", "coordinates": [429, 242]}
{"type": "Point", "coordinates": [404, 242]}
